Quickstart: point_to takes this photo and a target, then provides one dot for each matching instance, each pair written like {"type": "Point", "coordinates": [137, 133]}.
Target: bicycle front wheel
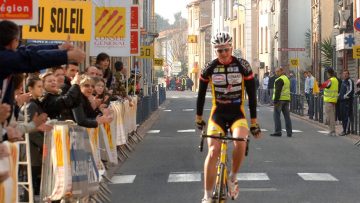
{"type": "Point", "coordinates": [221, 187]}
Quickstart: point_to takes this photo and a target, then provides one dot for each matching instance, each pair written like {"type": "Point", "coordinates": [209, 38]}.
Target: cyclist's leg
{"type": "Point", "coordinates": [239, 130]}
{"type": "Point", "coordinates": [214, 128]}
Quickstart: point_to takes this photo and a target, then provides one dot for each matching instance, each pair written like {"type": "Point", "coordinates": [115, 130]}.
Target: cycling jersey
{"type": "Point", "coordinates": [228, 84]}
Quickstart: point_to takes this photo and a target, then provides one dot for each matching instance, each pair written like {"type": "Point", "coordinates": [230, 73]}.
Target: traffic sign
{"type": "Point", "coordinates": [357, 24]}
{"type": "Point", "coordinates": [158, 62]}
{"type": "Point", "coordinates": [291, 49]}
{"type": "Point", "coordinates": [146, 52]}
{"type": "Point", "coordinates": [294, 62]}
{"type": "Point", "coordinates": [356, 52]}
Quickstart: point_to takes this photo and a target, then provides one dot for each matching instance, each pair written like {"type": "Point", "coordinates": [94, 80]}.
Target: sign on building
{"type": "Point", "coordinates": [158, 62]}
{"type": "Point", "coordinates": [345, 41]}
{"type": "Point", "coordinates": [294, 62]}
{"type": "Point", "coordinates": [192, 38]}
{"type": "Point", "coordinates": [356, 52]}
{"type": "Point", "coordinates": [146, 52]}
{"type": "Point", "coordinates": [58, 19]}
{"type": "Point", "coordinates": [20, 12]}
{"type": "Point", "coordinates": [176, 67]}
{"type": "Point", "coordinates": [111, 28]}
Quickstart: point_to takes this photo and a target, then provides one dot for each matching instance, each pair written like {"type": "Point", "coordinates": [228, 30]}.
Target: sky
{"type": "Point", "coordinates": [167, 8]}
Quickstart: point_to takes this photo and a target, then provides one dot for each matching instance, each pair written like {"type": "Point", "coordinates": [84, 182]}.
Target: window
{"type": "Point", "coordinates": [261, 41]}
{"type": "Point", "coordinates": [234, 36]}
{"type": "Point", "coordinates": [266, 39]}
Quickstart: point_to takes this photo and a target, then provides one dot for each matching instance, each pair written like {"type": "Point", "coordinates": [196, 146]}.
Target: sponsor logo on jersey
{"type": "Point", "coordinates": [219, 79]}
{"type": "Point", "coordinates": [228, 89]}
{"type": "Point", "coordinates": [233, 69]}
{"type": "Point", "coordinates": [234, 78]}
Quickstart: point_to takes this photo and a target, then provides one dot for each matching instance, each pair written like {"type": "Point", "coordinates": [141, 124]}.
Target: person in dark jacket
{"type": "Point", "coordinates": [35, 87]}
{"type": "Point", "coordinates": [54, 104]}
{"type": "Point", "coordinates": [84, 114]}
{"type": "Point", "coordinates": [346, 98]}
{"type": "Point", "coordinates": [103, 62]}
{"type": "Point", "coordinates": [70, 72]}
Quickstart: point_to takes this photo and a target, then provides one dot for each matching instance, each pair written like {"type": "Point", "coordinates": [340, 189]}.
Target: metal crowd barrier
{"type": "Point", "coordinates": [355, 121]}
{"type": "Point", "coordinates": [297, 104]}
{"type": "Point", "coordinates": [263, 96]}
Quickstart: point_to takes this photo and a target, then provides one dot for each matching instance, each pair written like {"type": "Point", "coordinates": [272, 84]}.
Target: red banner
{"type": "Point", "coordinates": [134, 17]}
{"type": "Point", "coordinates": [15, 9]}
{"type": "Point", "coordinates": [134, 42]}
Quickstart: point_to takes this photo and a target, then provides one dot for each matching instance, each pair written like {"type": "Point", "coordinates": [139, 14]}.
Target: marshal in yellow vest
{"type": "Point", "coordinates": [285, 91]}
{"type": "Point", "coordinates": [331, 93]}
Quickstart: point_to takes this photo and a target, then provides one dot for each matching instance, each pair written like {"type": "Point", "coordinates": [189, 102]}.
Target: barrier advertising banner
{"type": "Point", "coordinates": [111, 28]}
{"type": "Point", "coordinates": [21, 12]}
{"type": "Point", "coordinates": [58, 19]}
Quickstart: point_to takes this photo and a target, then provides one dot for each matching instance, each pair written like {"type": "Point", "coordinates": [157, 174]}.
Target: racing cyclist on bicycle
{"type": "Point", "coordinates": [228, 77]}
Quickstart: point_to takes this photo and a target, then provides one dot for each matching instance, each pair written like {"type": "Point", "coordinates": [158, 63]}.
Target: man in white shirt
{"type": "Point", "coordinates": [265, 82]}
{"type": "Point", "coordinates": [309, 85]}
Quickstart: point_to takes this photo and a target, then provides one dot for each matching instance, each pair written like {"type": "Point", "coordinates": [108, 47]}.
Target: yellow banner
{"type": "Point", "coordinates": [158, 62]}
{"type": "Point", "coordinates": [146, 52]}
{"type": "Point", "coordinates": [59, 18]}
{"type": "Point", "coordinates": [356, 52]}
{"type": "Point", "coordinates": [294, 62]}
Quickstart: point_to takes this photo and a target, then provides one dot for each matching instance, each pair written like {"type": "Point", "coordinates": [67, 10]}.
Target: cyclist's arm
{"type": "Point", "coordinates": [203, 83]}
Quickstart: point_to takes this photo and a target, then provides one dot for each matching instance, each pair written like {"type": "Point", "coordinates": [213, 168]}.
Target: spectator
{"type": "Point", "coordinates": [119, 82]}
{"type": "Point", "coordinates": [292, 83]}
{"type": "Point", "coordinates": [189, 83]}
{"type": "Point", "coordinates": [100, 91]}
{"type": "Point", "coordinates": [271, 86]}
{"type": "Point", "coordinates": [55, 105]}
{"type": "Point", "coordinates": [173, 83]}
{"type": "Point", "coordinates": [92, 71]}
{"type": "Point", "coordinates": [309, 85]}
{"type": "Point", "coordinates": [84, 114]}
{"type": "Point", "coordinates": [33, 107]}
{"type": "Point", "coordinates": [358, 87]}
{"type": "Point", "coordinates": [265, 85]}
{"type": "Point", "coordinates": [59, 73]}
{"type": "Point", "coordinates": [103, 63]}
{"type": "Point", "coordinates": [330, 87]}
{"type": "Point", "coordinates": [167, 81]}
{"type": "Point", "coordinates": [70, 72]}
{"type": "Point", "coordinates": [346, 98]}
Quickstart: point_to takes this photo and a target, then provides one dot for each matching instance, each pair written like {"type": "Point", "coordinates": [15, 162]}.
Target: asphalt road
{"type": "Point", "coordinates": [310, 167]}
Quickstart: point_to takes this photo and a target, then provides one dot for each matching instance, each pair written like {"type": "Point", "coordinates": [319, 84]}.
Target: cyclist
{"type": "Point", "coordinates": [228, 77]}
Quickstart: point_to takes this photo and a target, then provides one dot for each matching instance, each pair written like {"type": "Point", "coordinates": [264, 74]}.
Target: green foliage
{"type": "Point", "coordinates": [308, 42]}
{"type": "Point", "coordinates": [162, 23]}
{"type": "Point", "coordinates": [326, 49]}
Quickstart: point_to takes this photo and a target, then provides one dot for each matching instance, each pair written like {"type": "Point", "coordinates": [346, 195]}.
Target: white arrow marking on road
{"type": "Point", "coordinates": [252, 176]}
{"type": "Point", "coordinates": [124, 179]}
{"type": "Point", "coordinates": [188, 109]}
{"type": "Point", "coordinates": [323, 132]}
{"type": "Point", "coordinates": [186, 131]}
{"type": "Point", "coordinates": [294, 131]}
{"type": "Point", "coordinates": [153, 131]}
{"type": "Point", "coordinates": [167, 110]}
{"type": "Point", "coordinates": [184, 177]}
{"type": "Point", "coordinates": [317, 177]}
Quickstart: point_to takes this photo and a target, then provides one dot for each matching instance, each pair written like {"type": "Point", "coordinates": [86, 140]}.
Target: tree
{"type": "Point", "coordinates": [162, 23]}
{"type": "Point", "coordinates": [308, 42]}
{"type": "Point", "coordinates": [326, 49]}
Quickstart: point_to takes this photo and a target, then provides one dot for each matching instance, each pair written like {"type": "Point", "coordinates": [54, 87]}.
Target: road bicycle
{"type": "Point", "coordinates": [220, 190]}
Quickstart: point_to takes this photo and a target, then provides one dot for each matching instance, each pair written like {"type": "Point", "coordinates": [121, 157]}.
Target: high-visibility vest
{"type": "Point", "coordinates": [285, 91]}
{"type": "Point", "coordinates": [331, 93]}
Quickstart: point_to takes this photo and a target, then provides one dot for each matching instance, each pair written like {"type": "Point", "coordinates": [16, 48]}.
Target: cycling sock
{"type": "Point", "coordinates": [208, 194]}
{"type": "Point", "coordinates": [232, 177]}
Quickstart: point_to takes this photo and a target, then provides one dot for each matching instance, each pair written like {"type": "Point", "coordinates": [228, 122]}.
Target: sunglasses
{"type": "Point", "coordinates": [223, 50]}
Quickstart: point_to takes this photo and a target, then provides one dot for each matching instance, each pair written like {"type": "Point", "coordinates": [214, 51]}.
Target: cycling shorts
{"type": "Point", "coordinates": [220, 120]}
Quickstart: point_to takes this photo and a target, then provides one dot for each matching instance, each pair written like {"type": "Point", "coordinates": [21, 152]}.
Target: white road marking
{"type": "Point", "coordinates": [188, 109]}
{"type": "Point", "coordinates": [208, 96]}
{"type": "Point", "coordinates": [184, 177]}
{"type": "Point", "coordinates": [174, 97]}
{"type": "Point", "coordinates": [186, 131]}
{"type": "Point", "coordinates": [167, 110]}
{"type": "Point", "coordinates": [271, 189]}
{"type": "Point", "coordinates": [294, 131]}
{"type": "Point", "coordinates": [123, 179]}
{"type": "Point", "coordinates": [252, 176]}
{"type": "Point", "coordinates": [153, 131]}
{"type": "Point", "coordinates": [317, 177]}
{"type": "Point", "coordinates": [207, 109]}
{"type": "Point", "coordinates": [323, 132]}
{"type": "Point", "coordinates": [263, 130]}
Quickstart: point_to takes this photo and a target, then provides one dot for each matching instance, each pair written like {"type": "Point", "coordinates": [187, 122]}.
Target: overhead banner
{"type": "Point", "coordinates": [21, 12]}
{"type": "Point", "coordinates": [111, 28]}
{"type": "Point", "coordinates": [58, 19]}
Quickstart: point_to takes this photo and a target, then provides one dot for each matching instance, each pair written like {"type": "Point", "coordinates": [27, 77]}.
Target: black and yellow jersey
{"type": "Point", "coordinates": [228, 84]}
